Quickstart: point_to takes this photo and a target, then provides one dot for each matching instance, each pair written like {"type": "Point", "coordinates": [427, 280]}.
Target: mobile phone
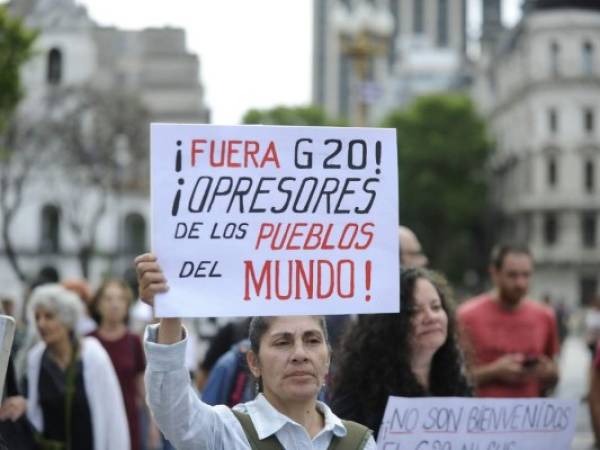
{"type": "Point", "coordinates": [530, 362]}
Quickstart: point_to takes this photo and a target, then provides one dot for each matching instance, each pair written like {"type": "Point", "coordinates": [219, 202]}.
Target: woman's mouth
{"type": "Point", "coordinates": [299, 374]}
{"type": "Point", "coordinates": [430, 331]}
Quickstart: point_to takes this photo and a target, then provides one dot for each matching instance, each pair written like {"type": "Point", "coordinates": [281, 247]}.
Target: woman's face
{"type": "Point", "coordinates": [51, 330]}
{"type": "Point", "coordinates": [293, 359]}
{"type": "Point", "coordinates": [429, 320]}
{"type": "Point", "coordinates": [113, 304]}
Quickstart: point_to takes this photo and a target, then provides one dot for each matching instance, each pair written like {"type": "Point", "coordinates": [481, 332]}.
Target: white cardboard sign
{"type": "Point", "coordinates": [439, 423]}
{"type": "Point", "coordinates": [272, 220]}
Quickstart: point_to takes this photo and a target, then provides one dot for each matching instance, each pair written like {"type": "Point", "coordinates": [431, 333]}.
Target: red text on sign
{"type": "Point", "coordinates": [313, 236]}
{"type": "Point", "coordinates": [312, 279]}
{"type": "Point", "coordinates": [234, 153]}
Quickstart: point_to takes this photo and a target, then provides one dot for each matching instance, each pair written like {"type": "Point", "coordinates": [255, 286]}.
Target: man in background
{"type": "Point", "coordinates": [411, 252]}
{"type": "Point", "coordinates": [510, 341]}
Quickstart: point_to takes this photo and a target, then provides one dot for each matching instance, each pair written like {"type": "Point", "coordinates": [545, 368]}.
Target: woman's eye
{"type": "Point", "coordinates": [437, 307]}
{"type": "Point", "coordinates": [280, 343]}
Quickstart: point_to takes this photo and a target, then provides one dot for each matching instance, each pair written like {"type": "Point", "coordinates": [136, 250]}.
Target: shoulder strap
{"type": "Point", "coordinates": [270, 443]}
{"type": "Point", "coordinates": [356, 437]}
{"type": "Point", "coordinates": [70, 391]}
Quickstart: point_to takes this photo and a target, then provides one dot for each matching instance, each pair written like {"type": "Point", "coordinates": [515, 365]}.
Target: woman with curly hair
{"type": "Point", "coordinates": [410, 354]}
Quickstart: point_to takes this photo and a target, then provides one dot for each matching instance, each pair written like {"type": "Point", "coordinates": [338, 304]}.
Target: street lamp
{"type": "Point", "coordinates": [364, 30]}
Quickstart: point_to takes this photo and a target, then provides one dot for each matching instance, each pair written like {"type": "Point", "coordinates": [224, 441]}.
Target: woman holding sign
{"type": "Point", "coordinates": [410, 354]}
{"type": "Point", "coordinates": [289, 357]}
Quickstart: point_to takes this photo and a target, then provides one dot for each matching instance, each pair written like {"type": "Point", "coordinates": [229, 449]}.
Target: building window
{"type": "Point", "coordinates": [589, 175]}
{"type": "Point", "coordinates": [134, 242]}
{"type": "Point", "coordinates": [552, 171]}
{"type": "Point", "coordinates": [550, 229]}
{"type": "Point", "coordinates": [588, 120]}
{"type": "Point", "coordinates": [54, 70]}
{"type": "Point", "coordinates": [525, 233]}
{"type": "Point", "coordinates": [552, 120]}
{"type": "Point", "coordinates": [554, 58]}
{"type": "Point", "coordinates": [50, 229]}
{"type": "Point", "coordinates": [588, 229]}
{"type": "Point", "coordinates": [442, 23]}
{"type": "Point", "coordinates": [418, 16]}
{"type": "Point", "coordinates": [587, 58]}
{"type": "Point", "coordinates": [345, 69]}
{"type": "Point", "coordinates": [588, 288]}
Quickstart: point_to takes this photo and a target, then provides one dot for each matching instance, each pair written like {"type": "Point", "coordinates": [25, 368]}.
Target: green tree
{"type": "Point", "coordinates": [16, 43]}
{"type": "Point", "coordinates": [286, 115]}
{"type": "Point", "coordinates": [442, 152]}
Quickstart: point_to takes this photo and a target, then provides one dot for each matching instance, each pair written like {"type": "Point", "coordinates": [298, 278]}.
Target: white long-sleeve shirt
{"type": "Point", "coordinates": [191, 424]}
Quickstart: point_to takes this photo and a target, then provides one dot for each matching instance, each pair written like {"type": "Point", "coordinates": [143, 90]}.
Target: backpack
{"type": "Point", "coordinates": [230, 382]}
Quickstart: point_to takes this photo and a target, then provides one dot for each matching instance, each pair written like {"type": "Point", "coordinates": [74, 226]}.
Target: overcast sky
{"type": "Point", "coordinates": [253, 53]}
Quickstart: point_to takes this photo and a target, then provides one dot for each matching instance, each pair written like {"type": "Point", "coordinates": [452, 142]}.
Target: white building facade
{"type": "Point", "coordinates": [73, 51]}
{"type": "Point", "coordinates": [540, 90]}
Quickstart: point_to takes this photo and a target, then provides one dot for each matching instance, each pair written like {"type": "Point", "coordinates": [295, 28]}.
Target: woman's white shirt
{"type": "Point", "coordinates": [191, 424]}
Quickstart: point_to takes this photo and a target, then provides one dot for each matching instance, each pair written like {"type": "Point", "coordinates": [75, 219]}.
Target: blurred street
{"type": "Point", "coordinates": [574, 365]}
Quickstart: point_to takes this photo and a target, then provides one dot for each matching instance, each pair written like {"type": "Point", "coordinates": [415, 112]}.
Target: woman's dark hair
{"type": "Point", "coordinates": [259, 325]}
{"type": "Point", "coordinates": [95, 311]}
{"type": "Point", "coordinates": [376, 354]}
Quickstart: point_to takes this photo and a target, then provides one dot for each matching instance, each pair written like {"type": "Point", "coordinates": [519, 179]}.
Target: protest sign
{"type": "Point", "coordinates": [452, 423]}
{"type": "Point", "coordinates": [270, 220]}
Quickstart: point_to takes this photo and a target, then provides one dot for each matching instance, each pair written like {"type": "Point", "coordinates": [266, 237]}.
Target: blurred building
{"type": "Point", "coordinates": [423, 50]}
{"type": "Point", "coordinates": [539, 87]}
{"type": "Point", "coordinates": [72, 51]}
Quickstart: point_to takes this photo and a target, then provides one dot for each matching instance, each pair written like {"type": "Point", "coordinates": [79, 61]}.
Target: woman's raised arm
{"type": "Point", "coordinates": [152, 281]}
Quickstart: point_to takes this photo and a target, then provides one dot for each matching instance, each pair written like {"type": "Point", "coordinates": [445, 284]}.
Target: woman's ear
{"type": "Point", "coordinates": [253, 363]}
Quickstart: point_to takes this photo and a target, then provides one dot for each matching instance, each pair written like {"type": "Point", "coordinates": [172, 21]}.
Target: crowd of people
{"type": "Point", "coordinates": [77, 380]}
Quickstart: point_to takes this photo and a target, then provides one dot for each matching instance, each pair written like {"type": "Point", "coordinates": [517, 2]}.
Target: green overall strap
{"type": "Point", "coordinates": [356, 437]}
{"type": "Point", "coordinates": [270, 443]}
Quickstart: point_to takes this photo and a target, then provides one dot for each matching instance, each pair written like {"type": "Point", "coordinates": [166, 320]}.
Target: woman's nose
{"type": "Point", "coordinates": [428, 314]}
{"type": "Point", "coordinates": [299, 352]}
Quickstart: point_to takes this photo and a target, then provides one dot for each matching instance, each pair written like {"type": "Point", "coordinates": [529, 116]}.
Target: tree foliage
{"type": "Point", "coordinates": [290, 115]}
{"type": "Point", "coordinates": [442, 151]}
{"type": "Point", "coordinates": [16, 43]}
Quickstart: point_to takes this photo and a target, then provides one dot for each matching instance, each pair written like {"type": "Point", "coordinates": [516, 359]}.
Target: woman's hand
{"type": "Point", "coordinates": [150, 278]}
{"type": "Point", "coordinates": [13, 408]}
{"type": "Point", "coordinates": [151, 282]}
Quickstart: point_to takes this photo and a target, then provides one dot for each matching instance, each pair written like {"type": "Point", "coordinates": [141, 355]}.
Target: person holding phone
{"type": "Point", "coordinates": [510, 342]}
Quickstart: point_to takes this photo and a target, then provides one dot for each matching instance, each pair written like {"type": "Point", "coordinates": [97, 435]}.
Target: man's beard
{"type": "Point", "coordinates": [512, 296]}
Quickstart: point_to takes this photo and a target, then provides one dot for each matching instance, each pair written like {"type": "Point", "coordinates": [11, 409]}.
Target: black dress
{"type": "Point", "coordinates": [52, 390]}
